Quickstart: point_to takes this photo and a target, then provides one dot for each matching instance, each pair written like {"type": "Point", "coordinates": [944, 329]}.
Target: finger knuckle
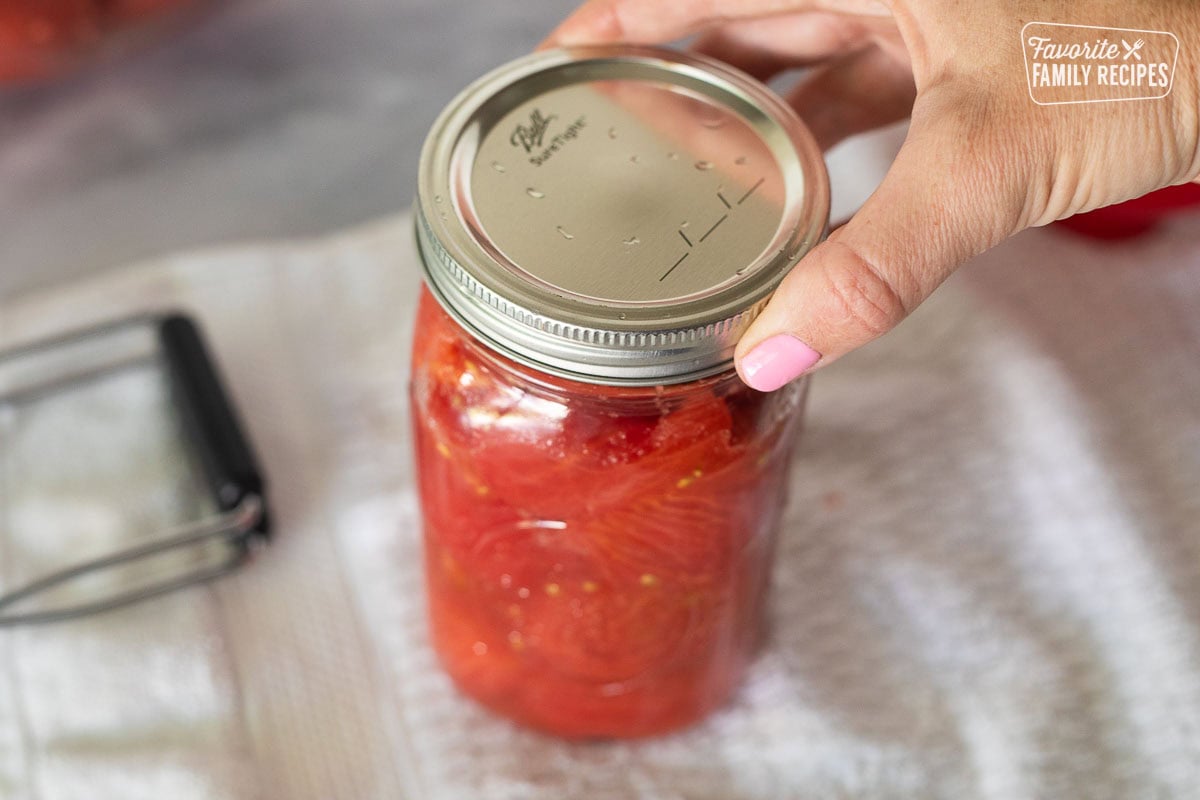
{"type": "Point", "coordinates": [614, 19]}
{"type": "Point", "coordinates": [869, 301]}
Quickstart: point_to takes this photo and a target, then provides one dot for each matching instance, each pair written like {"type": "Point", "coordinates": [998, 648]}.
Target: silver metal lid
{"type": "Point", "coordinates": [616, 215]}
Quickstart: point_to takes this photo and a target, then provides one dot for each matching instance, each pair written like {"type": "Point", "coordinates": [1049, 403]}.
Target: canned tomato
{"type": "Point", "coordinates": [600, 493]}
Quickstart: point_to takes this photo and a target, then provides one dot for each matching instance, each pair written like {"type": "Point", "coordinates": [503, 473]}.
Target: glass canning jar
{"type": "Point", "coordinates": [600, 493]}
{"type": "Point", "coordinates": [596, 556]}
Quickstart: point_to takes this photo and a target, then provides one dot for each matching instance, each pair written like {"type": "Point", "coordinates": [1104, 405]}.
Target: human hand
{"type": "Point", "coordinates": [981, 161]}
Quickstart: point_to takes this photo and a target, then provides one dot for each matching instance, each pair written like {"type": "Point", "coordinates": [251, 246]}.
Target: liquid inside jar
{"type": "Point", "coordinates": [597, 557]}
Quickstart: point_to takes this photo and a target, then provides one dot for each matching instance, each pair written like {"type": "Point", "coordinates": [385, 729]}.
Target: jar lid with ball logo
{"type": "Point", "coordinates": [616, 215]}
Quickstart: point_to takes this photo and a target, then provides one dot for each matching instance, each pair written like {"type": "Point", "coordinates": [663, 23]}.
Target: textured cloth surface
{"type": "Point", "coordinates": [988, 585]}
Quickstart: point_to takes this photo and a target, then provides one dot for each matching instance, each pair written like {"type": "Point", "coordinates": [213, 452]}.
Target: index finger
{"type": "Point", "coordinates": [655, 21]}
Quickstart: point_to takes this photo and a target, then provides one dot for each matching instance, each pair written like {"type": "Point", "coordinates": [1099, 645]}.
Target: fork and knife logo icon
{"type": "Point", "coordinates": [1132, 49]}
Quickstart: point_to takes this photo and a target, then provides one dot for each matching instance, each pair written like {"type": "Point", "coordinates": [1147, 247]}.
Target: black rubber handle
{"type": "Point", "coordinates": [209, 419]}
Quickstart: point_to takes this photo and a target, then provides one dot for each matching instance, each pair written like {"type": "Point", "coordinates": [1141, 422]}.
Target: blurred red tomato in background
{"type": "Point", "coordinates": [43, 38]}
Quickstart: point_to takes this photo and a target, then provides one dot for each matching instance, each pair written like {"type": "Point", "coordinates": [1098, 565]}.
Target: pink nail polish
{"type": "Point", "coordinates": [776, 361]}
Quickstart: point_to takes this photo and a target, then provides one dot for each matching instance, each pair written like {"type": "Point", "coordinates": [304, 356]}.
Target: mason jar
{"type": "Point", "coordinates": [600, 493]}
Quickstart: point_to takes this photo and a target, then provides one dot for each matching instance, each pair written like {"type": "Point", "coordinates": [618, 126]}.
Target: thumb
{"type": "Point", "coordinates": [946, 198]}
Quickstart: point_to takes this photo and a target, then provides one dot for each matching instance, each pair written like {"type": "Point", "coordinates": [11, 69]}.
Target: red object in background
{"type": "Point", "coordinates": [597, 557]}
{"type": "Point", "coordinates": [1133, 217]}
{"type": "Point", "coordinates": [42, 38]}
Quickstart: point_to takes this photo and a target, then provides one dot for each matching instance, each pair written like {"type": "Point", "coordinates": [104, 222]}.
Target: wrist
{"type": "Point", "coordinates": [1185, 114]}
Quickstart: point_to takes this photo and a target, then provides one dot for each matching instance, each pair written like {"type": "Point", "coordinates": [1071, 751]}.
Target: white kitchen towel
{"type": "Point", "coordinates": [988, 585]}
